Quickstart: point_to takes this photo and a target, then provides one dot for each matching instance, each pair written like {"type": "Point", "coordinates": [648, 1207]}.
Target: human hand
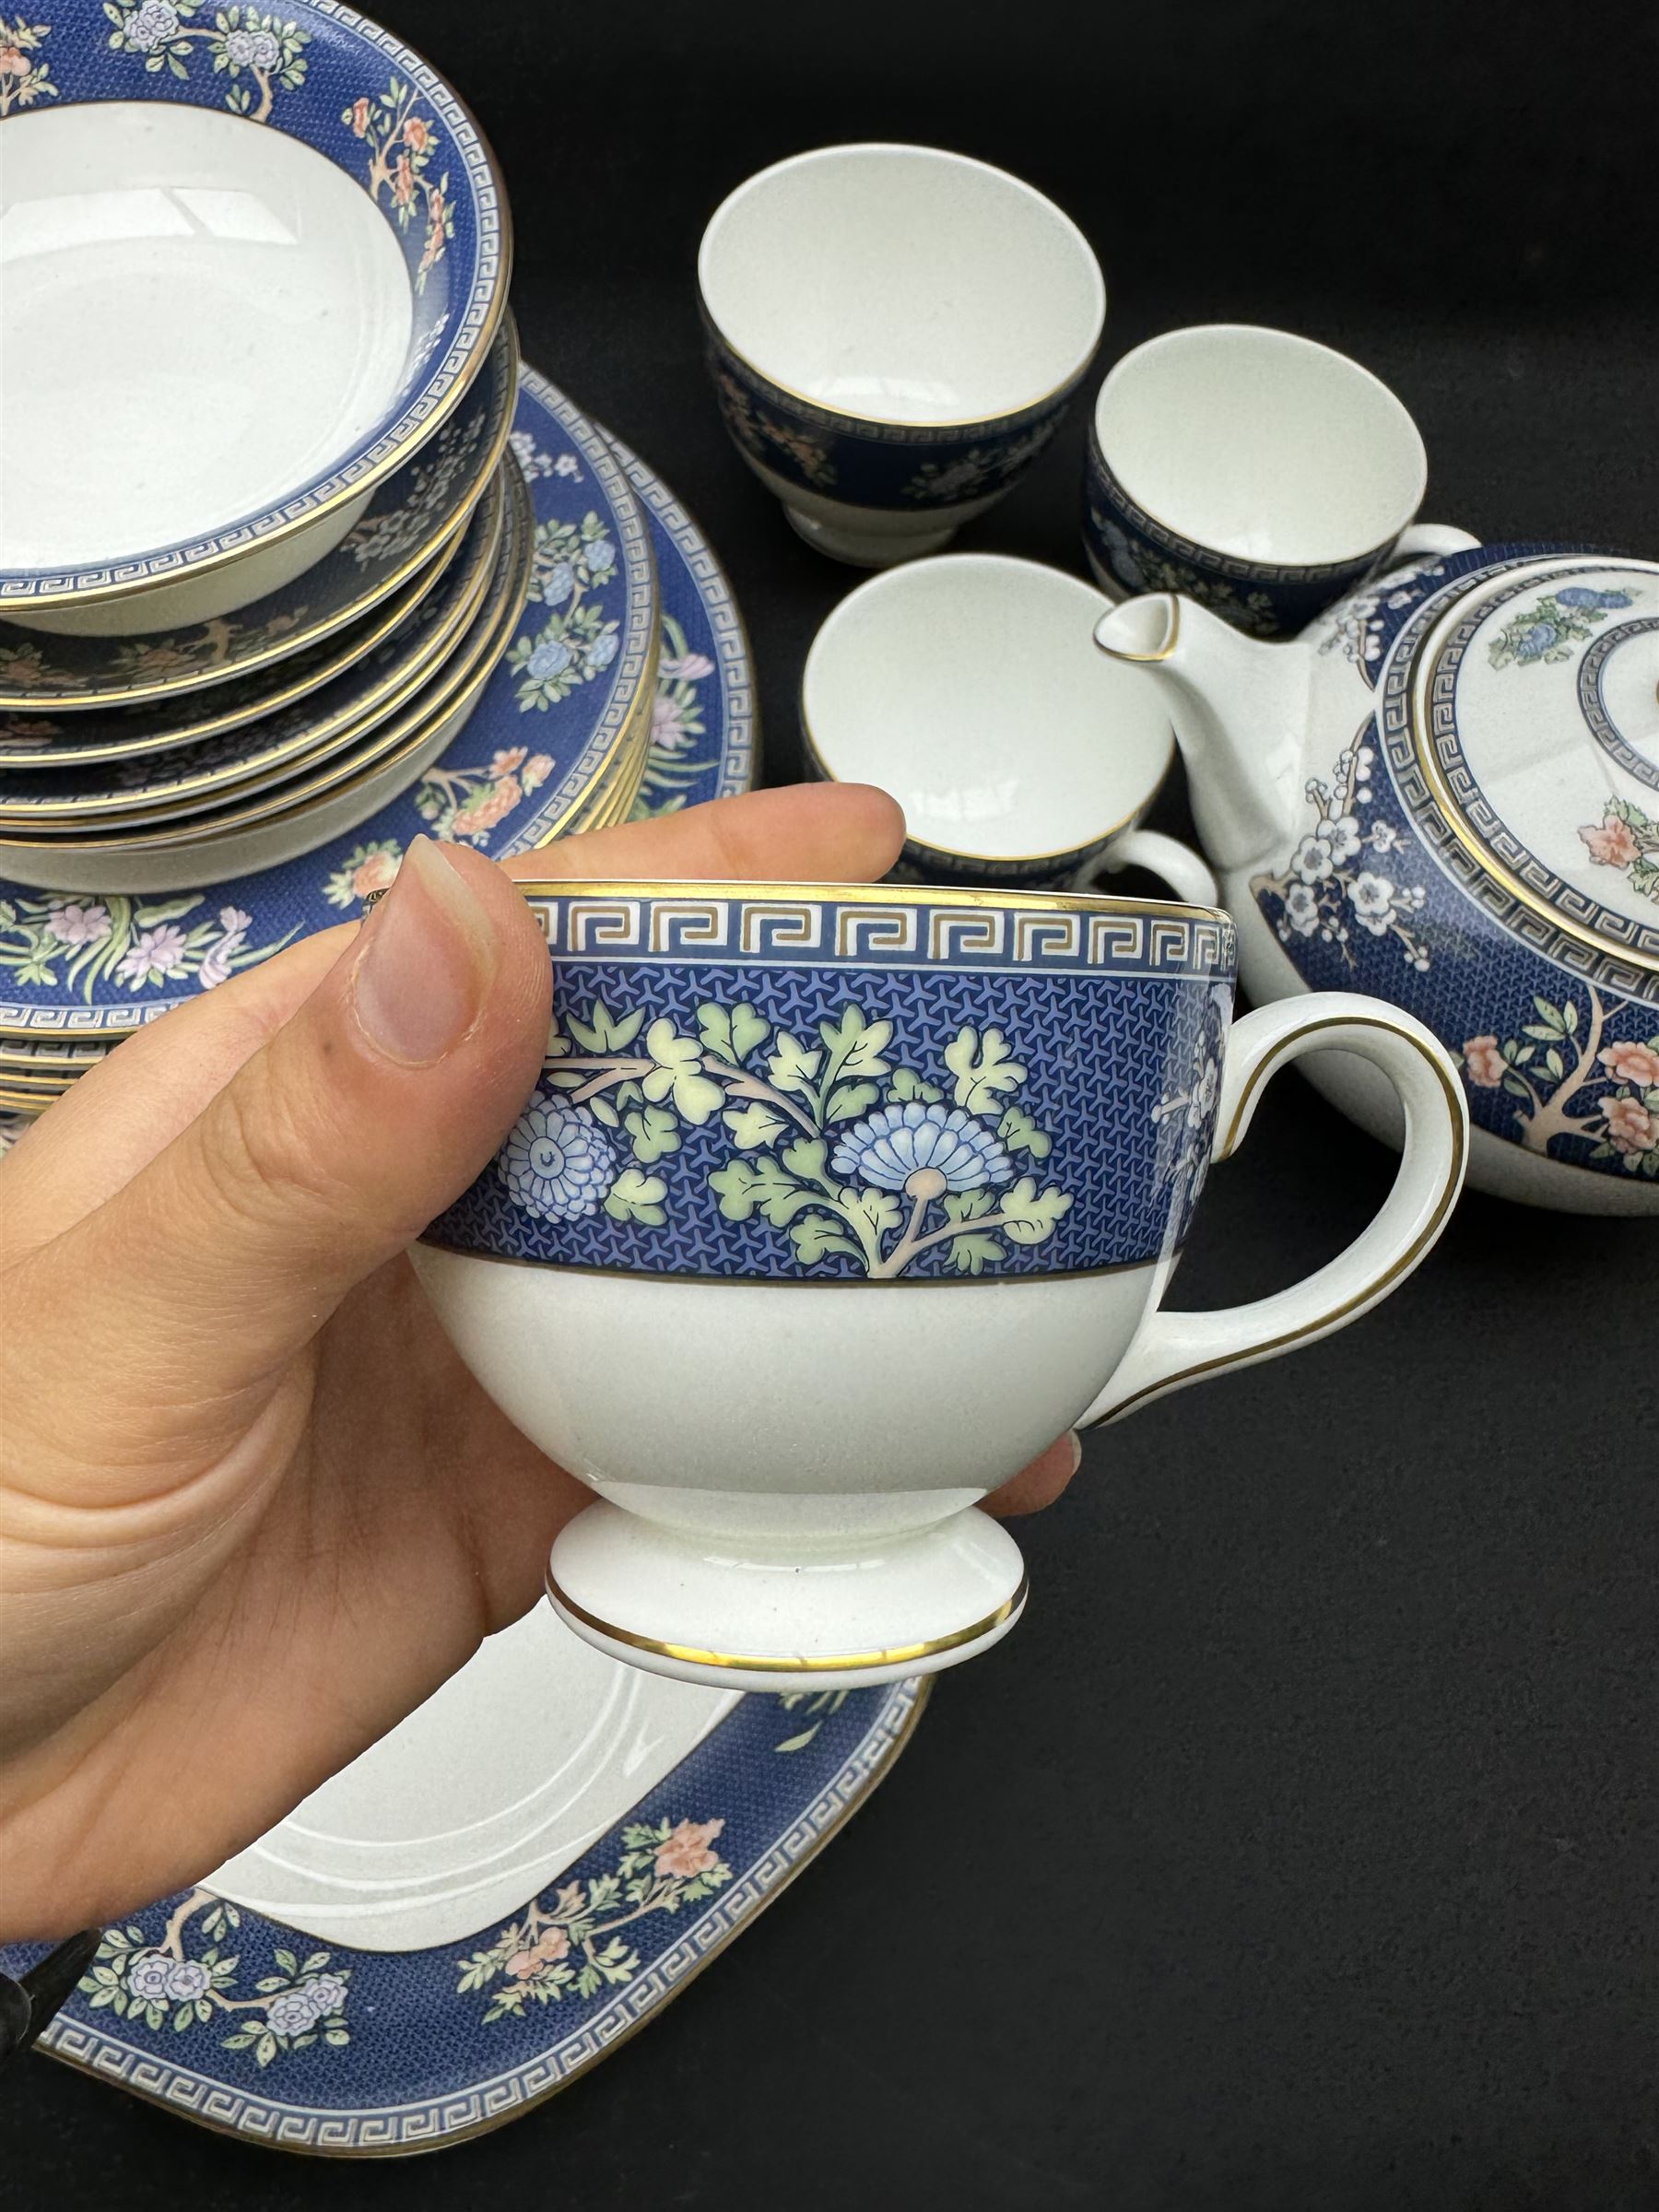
{"type": "Point", "coordinates": [252, 1507]}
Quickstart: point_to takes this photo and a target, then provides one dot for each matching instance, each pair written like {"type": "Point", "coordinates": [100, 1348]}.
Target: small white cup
{"type": "Point", "coordinates": [1257, 472]}
{"type": "Point", "coordinates": [894, 332]}
{"type": "Point", "coordinates": [969, 688]}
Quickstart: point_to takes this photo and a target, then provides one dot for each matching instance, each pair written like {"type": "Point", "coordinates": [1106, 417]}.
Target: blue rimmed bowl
{"type": "Point", "coordinates": [252, 260]}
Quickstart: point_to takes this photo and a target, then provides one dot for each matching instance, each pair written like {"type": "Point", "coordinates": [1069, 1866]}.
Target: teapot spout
{"type": "Point", "coordinates": [1239, 711]}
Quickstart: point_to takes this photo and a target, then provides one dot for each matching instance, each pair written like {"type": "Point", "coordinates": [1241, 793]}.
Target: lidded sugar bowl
{"type": "Point", "coordinates": [1445, 792]}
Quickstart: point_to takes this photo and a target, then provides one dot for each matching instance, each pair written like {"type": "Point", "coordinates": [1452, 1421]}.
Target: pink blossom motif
{"type": "Point", "coordinates": [377, 874]}
{"type": "Point", "coordinates": [159, 953]}
{"type": "Point", "coordinates": [1611, 843]}
{"type": "Point", "coordinates": [549, 1949]}
{"type": "Point", "coordinates": [418, 135]}
{"type": "Point", "coordinates": [1483, 1064]}
{"type": "Point", "coordinates": [510, 758]}
{"type": "Point", "coordinates": [669, 731]}
{"type": "Point", "coordinates": [216, 962]}
{"type": "Point", "coordinates": [74, 923]}
{"type": "Point", "coordinates": [359, 118]}
{"type": "Point", "coordinates": [691, 666]}
{"type": "Point", "coordinates": [536, 770]}
{"type": "Point", "coordinates": [687, 1851]}
{"type": "Point", "coordinates": [1631, 1127]}
{"type": "Point", "coordinates": [490, 804]}
{"type": "Point", "coordinates": [1635, 1064]}
{"type": "Point", "coordinates": [403, 182]}
{"type": "Point", "coordinates": [13, 62]}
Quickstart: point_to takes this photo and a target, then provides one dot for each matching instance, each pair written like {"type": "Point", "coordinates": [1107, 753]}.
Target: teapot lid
{"type": "Point", "coordinates": [1524, 725]}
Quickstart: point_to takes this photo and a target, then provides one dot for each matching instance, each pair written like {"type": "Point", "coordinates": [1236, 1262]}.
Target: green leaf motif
{"type": "Point", "coordinates": [654, 1131]}
{"type": "Point", "coordinates": [973, 1253]}
{"type": "Point", "coordinates": [637, 1197]}
{"type": "Point", "coordinates": [984, 1069]}
{"type": "Point", "coordinates": [907, 1085]}
{"type": "Point", "coordinates": [848, 1100]}
{"type": "Point", "coordinates": [806, 1158]}
{"type": "Point", "coordinates": [677, 1072]}
{"type": "Point", "coordinates": [1028, 1215]}
{"type": "Point", "coordinates": [755, 1125]}
{"type": "Point", "coordinates": [760, 1185]}
{"type": "Point", "coordinates": [731, 1033]}
{"type": "Point", "coordinates": [601, 1034]}
{"type": "Point", "coordinates": [881, 1209]}
{"type": "Point", "coordinates": [855, 1044]}
{"type": "Point", "coordinates": [1021, 1134]}
{"type": "Point", "coordinates": [794, 1066]}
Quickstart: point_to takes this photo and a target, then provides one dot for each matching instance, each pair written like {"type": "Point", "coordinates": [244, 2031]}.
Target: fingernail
{"type": "Point", "coordinates": [427, 960]}
{"type": "Point", "coordinates": [1076, 1443]}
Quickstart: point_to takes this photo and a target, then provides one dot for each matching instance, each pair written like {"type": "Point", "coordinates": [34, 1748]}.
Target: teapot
{"type": "Point", "coordinates": [1445, 792]}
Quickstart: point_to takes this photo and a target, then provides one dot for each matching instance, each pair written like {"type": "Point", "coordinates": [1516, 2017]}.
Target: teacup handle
{"type": "Point", "coordinates": [1420, 539]}
{"type": "Point", "coordinates": [1170, 1348]}
{"type": "Point", "coordinates": [1187, 875]}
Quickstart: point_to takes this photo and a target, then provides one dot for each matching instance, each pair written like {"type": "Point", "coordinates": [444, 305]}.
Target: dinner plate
{"type": "Point", "coordinates": [250, 2025]}
{"type": "Point", "coordinates": [75, 799]}
{"type": "Point", "coordinates": [47, 684]}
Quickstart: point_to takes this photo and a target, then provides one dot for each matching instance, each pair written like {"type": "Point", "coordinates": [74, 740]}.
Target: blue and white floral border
{"type": "Point", "coordinates": [427, 2123]}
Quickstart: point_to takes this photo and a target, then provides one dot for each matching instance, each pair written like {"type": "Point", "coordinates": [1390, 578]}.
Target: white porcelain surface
{"type": "Point", "coordinates": [1260, 444]}
{"type": "Point", "coordinates": [970, 688]}
{"type": "Point", "coordinates": [201, 313]}
{"type": "Point", "coordinates": [901, 283]}
{"type": "Point", "coordinates": [479, 1799]}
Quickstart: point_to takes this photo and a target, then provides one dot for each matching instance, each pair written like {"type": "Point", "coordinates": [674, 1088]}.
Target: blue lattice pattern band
{"type": "Point", "coordinates": [787, 1084]}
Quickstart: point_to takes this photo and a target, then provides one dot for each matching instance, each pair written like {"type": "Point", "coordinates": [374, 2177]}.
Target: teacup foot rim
{"type": "Point", "coordinates": [856, 548]}
{"type": "Point", "coordinates": [672, 1604]}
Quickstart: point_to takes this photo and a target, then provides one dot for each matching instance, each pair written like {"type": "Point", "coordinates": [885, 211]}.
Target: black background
{"type": "Point", "coordinates": [1299, 1849]}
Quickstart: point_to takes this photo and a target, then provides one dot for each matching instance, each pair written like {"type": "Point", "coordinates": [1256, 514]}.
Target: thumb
{"type": "Point", "coordinates": [377, 1100]}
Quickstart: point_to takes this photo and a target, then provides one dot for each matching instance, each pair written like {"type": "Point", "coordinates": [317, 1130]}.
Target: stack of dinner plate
{"type": "Point", "coordinates": [273, 515]}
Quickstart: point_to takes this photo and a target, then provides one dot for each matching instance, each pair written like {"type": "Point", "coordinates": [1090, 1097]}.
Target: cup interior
{"type": "Point", "coordinates": [1260, 445]}
{"type": "Point", "coordinates": [903, 284]}
{"type": "Point", "coordinates": [201, 315]}
{"type": "Point", "coordinates": [970, 688]}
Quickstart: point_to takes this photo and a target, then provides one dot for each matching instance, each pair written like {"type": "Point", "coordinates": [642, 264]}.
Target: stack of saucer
{"type": "Point", "coordinates": [259, 591]}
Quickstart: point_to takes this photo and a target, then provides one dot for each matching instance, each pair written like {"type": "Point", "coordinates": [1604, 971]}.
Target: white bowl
{"type": "Point", "coordinates": [248, 266]}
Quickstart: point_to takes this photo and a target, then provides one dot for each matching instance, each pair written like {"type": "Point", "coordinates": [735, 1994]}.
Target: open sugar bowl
{"type": "Point", "coordinates": [834, 1206]}
{"type": "Point", "coordinates": [968, 686]}
{"type": "Point", "coordinates": [250, 264]}
{"type": "Point", "coordinates": [894, 332]}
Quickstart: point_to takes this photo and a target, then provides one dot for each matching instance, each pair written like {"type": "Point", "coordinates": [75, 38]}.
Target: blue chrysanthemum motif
{"type": "Point", "coordinates": [922, 1149]}
{"type": "Point", "coordinates": [1584, 595]}
{"type": "Point", "coordinates": [557, 1164]}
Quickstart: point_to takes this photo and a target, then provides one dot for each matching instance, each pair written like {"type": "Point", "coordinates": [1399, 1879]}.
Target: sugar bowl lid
{"type": "Point", "coordinates": [1531, 710]}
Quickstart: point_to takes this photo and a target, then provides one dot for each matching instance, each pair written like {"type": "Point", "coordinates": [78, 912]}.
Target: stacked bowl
{"type": "Point", "coordinates": [273, 513]}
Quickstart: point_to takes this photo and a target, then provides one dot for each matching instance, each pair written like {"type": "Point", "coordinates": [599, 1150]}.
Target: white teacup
{"type": "Point", "coordinates": [894, 332]}
{"type": "Point", "coordinates": [1262, 474]}
{"type": "Point", "coordinates": [834, 1206]}
{"type": "Point", "coordinates": [968, 686]}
